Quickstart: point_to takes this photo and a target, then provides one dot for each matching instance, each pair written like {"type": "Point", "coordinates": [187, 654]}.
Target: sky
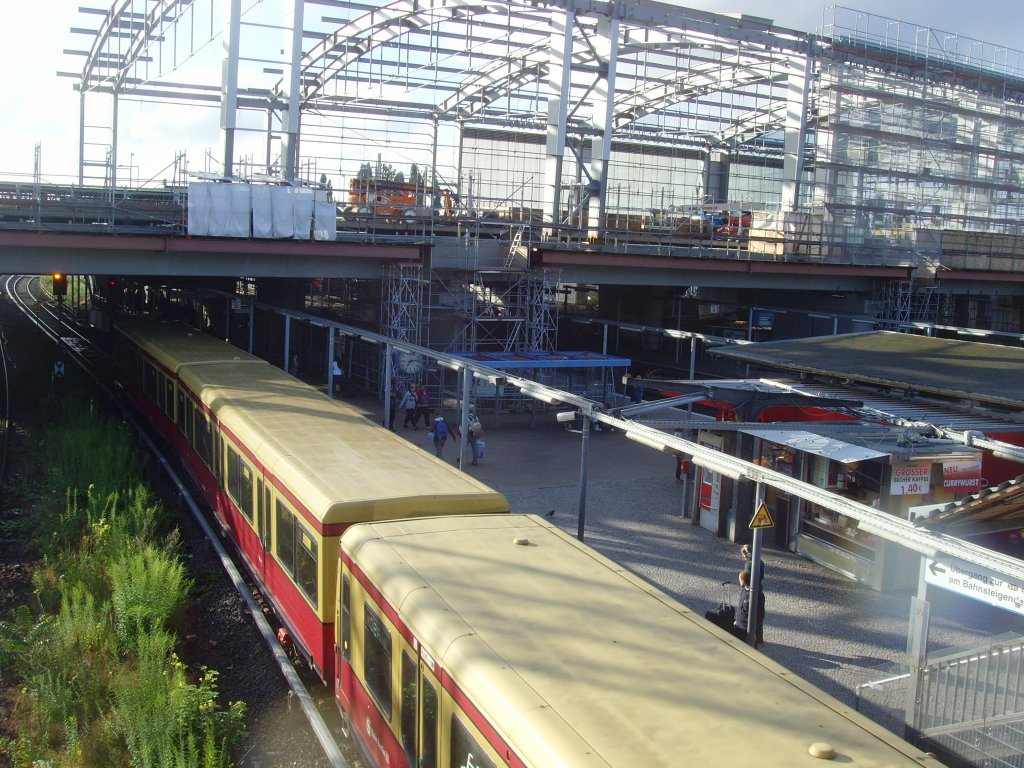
{"type": "Point", "coordinates": [41, 108]}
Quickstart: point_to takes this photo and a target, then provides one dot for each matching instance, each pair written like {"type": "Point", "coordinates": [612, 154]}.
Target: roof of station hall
{"type": "Point", "coordinates": [987, 373]}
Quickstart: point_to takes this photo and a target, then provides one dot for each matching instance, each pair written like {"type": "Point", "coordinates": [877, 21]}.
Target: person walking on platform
{"type": "Point", "coordinates": [422, 407]}
{"type": "Point", "coordinates": [408, 402]}
{"type": "Point", "coordinates": [739, 628]}
{"type": "Point", "coordinates": [747, 553]}
{"type": "Point", "coordinates": [396, 399]}
{"type": "Point", "coordinates": [440, 433]}
{"type": "Point", "coordinates": [474, 431]}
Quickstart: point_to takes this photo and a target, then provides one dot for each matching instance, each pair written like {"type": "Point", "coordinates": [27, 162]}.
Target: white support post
{"type": "Point", "coordinates": [330, 361]}
{"type": "Point", "coordinates": [389, 385]}
{"type": "Point", "coordinates": [798, 85]}
{"type": "Point", "coordinates": [755, 573]}
{"type": "Point", "coordinates": [229, 83]}
{"type": "Point", "coordinates": [606, 44]}
{"type": "Point", "coordinates": [582, 518]}
{"type": "Point", "coordinates": [559, 79]}
{"type": "Point", "coordinates": [292, 85]}
{"type": "Point", "coordinates": [287, 342]}
{"type": "Point", "coordinates": [467, 381]}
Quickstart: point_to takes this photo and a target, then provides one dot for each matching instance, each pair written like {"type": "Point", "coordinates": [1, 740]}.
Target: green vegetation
{"type": "Point", "coordinates": [93, 662]}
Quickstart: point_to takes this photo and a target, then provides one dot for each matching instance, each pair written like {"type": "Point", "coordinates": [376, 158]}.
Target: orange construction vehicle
{"type": "Point", "coordinates": [403, 200]}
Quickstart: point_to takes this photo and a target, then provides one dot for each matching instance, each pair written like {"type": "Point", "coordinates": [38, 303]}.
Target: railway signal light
{"type": "Point", "coordinates": [60, 284]}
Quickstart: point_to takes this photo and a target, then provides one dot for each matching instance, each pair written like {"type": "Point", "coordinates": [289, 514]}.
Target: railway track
{"type": "Point", "coordinates": [290, 723]}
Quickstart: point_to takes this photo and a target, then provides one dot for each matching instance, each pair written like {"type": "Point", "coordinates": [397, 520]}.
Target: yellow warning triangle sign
{"type": "Point", "coordinates": [762, 518]}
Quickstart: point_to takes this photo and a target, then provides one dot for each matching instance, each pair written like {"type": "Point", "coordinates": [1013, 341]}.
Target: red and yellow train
{"type": "Point", "coordinates": [286, 468]}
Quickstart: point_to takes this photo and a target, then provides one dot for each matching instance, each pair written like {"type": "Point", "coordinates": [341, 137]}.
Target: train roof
{"type": "Point", "coordinates": [175, 344]}
{"type": "Point", "coordinates": [593, 664]}
{"type": "Point", "coordinates": [342, 466]}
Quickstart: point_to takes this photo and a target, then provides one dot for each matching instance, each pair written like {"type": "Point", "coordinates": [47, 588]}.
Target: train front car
{"type": "Point", "coordinates": [503, 641]}
{"type": "Point", "coordinates": [288, 469]}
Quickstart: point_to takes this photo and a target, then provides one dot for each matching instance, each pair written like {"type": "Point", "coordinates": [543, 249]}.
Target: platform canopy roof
{"type": "Point", "coordinates": [985, 373]}
{"type": "Point", "coordinates": [820, 445]}
{"type": "Point", "coordinates": [549, 359]}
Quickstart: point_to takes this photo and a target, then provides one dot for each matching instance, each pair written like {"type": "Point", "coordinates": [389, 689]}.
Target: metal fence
{"type": "Point", "coordinates": [971, 708]}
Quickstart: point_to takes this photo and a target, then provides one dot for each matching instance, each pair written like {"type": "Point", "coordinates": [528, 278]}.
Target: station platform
{"type": "Point", "coordinates": [828, 629]}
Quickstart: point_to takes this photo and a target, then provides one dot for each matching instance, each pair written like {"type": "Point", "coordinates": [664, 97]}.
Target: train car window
{"type": "Point", "coordinates": [240, 483]}
{"type": "Point", "coordinates": [306, 563]}
{"type": "Point", "coordinates": [408, 714]}
{"type": "Point", "coordinates": [285, 537]}
{"type": "Point", "coordinates": [190, 423]}
{"type": "Point", "coordinates": [182, 412]}
{"type": "Point", "coordinates": [428, 736]}
{"type": "Point", "coordinates": [346, 617]}
{"type": "Point", "coordinates": [265, 516]}
{"type": "Point", "coordinates": [169, 397]}
{"type": "Point", "coordinates": [159, 393]}
{"type": "Point", "coordinates": [218, 457]}
{"type": "Point", "coordinates": [466, 751]}
{"type": "Point", "coordinates": [203, 439]}
{"type": "Point", "coordinates": [246, 496]}
{"type": "Point", "coordinates": [377, 660]}
{"type": "Point", "coordinates": [297, 552]}
{"type": "Point", "coordinates": [149, 381]}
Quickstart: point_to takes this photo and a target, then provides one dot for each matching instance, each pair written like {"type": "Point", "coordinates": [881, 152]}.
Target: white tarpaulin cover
{"type": "Point", "coordinates": [218, 210]}
{"type": "Point", "coordinates": [325, 218]}
{"type": "Point", "coordinates": [283, 221]}
{"type": "Point", "coordinates": [263, 212]}
{"type": "Point", "coordinates": [302, 213]}
{"type": "Point", "coordinates": [274, 212]}
{"type": "Point", "coordinates": [198, 208]}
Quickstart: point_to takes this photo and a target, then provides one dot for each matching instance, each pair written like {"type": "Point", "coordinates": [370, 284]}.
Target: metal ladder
{"type": "Point", "coordinates": [516, 248]}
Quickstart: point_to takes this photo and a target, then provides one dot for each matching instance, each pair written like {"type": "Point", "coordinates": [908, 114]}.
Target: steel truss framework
{"type": "Point", "coordinates": [639, 106]}
{"type": "Point", "coordinates": [880, 139]}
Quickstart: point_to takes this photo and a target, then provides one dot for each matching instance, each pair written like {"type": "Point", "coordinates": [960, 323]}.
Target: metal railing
{"type": "Point", "coordinates": [972, 704]}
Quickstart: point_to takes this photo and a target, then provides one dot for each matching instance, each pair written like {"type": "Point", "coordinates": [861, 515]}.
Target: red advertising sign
{"type": "Point", "coordinates": [962, 476]}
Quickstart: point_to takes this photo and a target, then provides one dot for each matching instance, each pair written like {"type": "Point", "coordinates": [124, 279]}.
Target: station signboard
{"type": "Point", "coordinates": [975, 582]}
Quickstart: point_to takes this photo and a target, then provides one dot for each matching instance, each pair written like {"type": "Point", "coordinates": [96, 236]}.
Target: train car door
{"type": "Point", "coordinates": [428, 715]}
{"type": "Point", "coordinates": [418, 720]}
{"type": "Point", "coordinates": [263, 523]}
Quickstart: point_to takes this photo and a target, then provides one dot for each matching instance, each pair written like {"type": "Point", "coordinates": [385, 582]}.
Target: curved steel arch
{"type": "Point", "coordinates": [694, 83]}
{"type": "Point", "coordinates": [502, 77]}
{"type": "Point", "coordinates": [115, 20]}
{"type": "Point", "coordinates": [394, 19]}
{"type": "Point", "coordinates": [499, 79]}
